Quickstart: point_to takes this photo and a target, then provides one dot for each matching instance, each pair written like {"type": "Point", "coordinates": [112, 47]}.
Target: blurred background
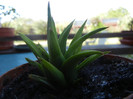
{"type": "Point", "coordinates": [33, 14]}
{"type": "Point", "coordinates": [30, 17]}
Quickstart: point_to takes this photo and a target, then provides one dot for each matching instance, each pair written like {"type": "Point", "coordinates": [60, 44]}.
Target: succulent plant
{"type": "Point", "coordinates": [60, 66]}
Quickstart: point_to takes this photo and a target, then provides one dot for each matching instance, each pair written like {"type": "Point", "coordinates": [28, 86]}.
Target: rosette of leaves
{"type": "Point", "coordinates": [59, 66]}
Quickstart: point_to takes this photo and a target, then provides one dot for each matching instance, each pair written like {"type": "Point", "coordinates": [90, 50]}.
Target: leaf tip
{"type": "Point", "coordinates": [49, 11]}
{"type": "Point", "coordinates": [106, 52]}
{"type": "Point", "coordinates": [106, 27]}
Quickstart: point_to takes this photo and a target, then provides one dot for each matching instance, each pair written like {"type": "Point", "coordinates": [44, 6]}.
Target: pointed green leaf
{"type": "Point", "coordinates": [55, 54]}
{"type": "Point", "coordinates": [33, 63]}
{"type": "Point", "coordinates": [63, 37]}
{"type": "Point", "coordinates": [38, 65]}
{"type": "Point", "coordinates": [51, 23]}
{"type": "Point", "coordinates": [106, 52]}
{"type": "Point", "coordinates": [34, 48]}
{"type": "Point", "coordinates": [88, 60]}
{"type": "Point", "coordinates": [70, 75]}
{"type": "Point", "coordinates": [79, 48]}
{"type": "Point", "coordinates": [41, 79]}
{"type": "Point", "coordinates": [77, 36]}
{"type": "Point", "coordinates": [79, 33]}
{"type": "Point", "coordinates": [68, 67]}
{"type": "Point", "coordinates": [53, 74]}
{"type": "Point", "coordinates": [53, 26]}
{"type": "Point", "coordinates": [73, 47]}
{"type": "Point", "coordinates": [45, 55]}
{"type": "Point", "coordinates": [73, 60]}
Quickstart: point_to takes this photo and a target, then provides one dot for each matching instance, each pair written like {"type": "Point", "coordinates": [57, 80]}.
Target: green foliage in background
{"type": "Point", "coordinates": [96, 23]}
{"type": "Point", "coordinates": [29, 26]}
{"type": "Point", "coordinates": [115, 13]}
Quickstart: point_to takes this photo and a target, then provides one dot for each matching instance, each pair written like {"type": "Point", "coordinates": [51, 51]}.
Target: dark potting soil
{"type": "Point", "coordinates": [103, 79]}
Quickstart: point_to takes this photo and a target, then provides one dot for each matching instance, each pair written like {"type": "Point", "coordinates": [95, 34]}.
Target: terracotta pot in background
{"type": "Point", "coordinates": [6, 32]}
{"type": "Point", "coordinates": [127, 40]}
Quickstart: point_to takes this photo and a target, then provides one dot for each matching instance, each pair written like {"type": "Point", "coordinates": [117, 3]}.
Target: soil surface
{"type": "Point", "coordinates": [103, 79]}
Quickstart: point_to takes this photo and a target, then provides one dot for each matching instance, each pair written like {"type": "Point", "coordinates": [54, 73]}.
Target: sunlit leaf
{"type": "Point", "coordinates": [79, 33]}
{"type": "Point", "coordinates": [34, 48]}
{"type": "Point", "coordinates": [77, 36]}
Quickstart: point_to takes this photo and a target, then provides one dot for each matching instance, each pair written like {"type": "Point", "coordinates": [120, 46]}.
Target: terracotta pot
{"type": "Point", "coordinates": [6, 32]}
{"type": "Point", "coordinates": [127, 40]}
{"type": "Point", "coordinates": [6, 78]}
